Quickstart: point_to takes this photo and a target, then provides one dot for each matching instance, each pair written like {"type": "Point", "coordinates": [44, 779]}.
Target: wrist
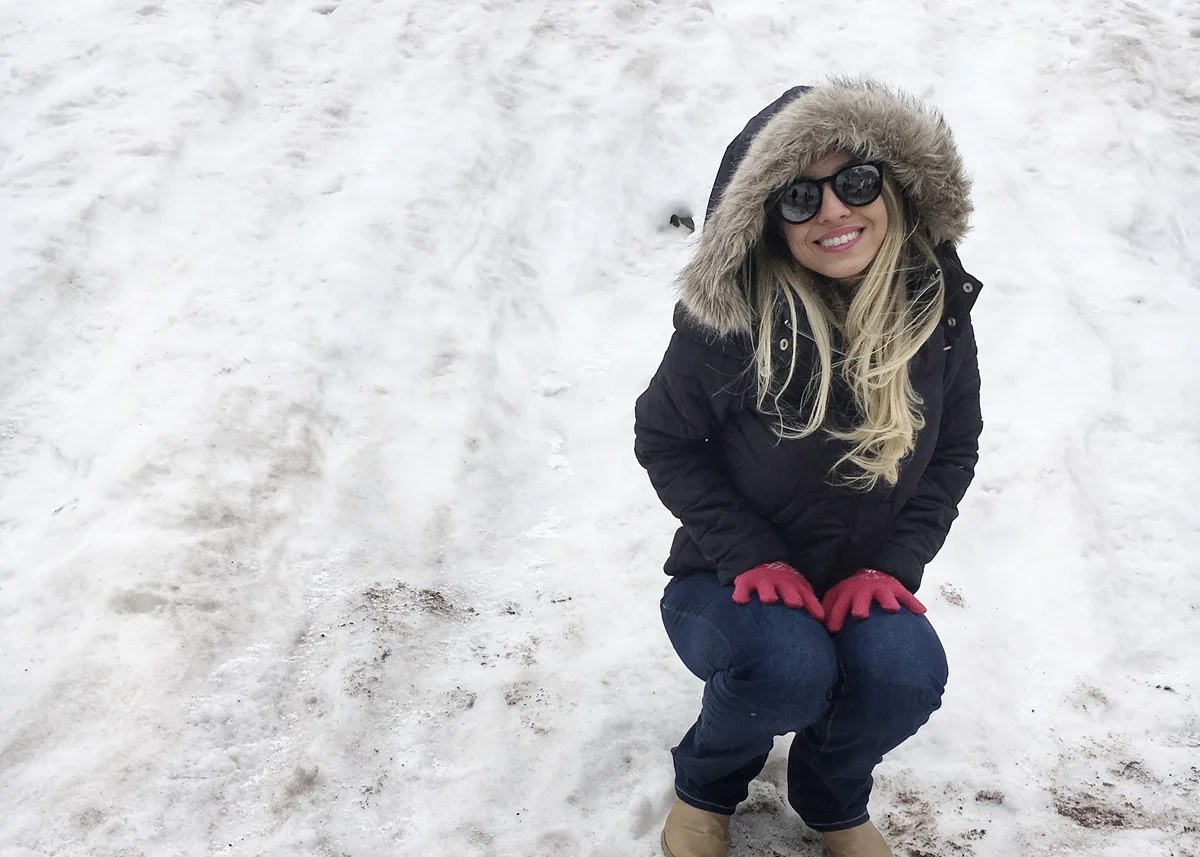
{"type": "Point", "coordinates": [773, 567]}
{"type": "Point", "coordinates": [871, 573]}
{"type": "Point", "coordinates": [777, 570]}
{"type": "Point", "coordinates": [777, 565]}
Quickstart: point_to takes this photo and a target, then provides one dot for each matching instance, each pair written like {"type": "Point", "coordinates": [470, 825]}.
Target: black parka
{"type": "Point", "coordinates": [743, 495]}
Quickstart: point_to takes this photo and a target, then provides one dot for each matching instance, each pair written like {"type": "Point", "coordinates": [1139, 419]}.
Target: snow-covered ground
{"type": "Point", "coordinates": [320, 329]}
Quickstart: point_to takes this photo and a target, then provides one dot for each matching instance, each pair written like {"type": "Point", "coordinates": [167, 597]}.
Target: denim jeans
{"type": "Point", "coordinates": [769, 670]}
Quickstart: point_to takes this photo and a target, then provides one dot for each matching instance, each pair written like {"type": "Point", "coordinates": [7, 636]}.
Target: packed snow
{"type": "Point", "coordinates": [321, 325]}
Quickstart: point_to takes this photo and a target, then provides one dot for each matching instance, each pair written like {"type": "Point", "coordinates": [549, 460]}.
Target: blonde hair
{"type": "Point", "coordinates": [889, 315]}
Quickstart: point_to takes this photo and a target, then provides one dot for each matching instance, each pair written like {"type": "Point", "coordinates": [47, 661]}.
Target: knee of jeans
{"type": "Point", "coordinates": [787, 677]}
{"type": "Point", "coordinates": [909, 664]}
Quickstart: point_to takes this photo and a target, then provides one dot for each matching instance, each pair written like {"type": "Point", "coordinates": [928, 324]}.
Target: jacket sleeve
{"type": "Point", "coordinates": [921, 528]}
{"type": "Point", "coordinates": [677, 420]}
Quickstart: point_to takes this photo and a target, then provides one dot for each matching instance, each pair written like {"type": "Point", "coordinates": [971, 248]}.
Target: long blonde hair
{"type": "Point", "coordinates": [890, 314]}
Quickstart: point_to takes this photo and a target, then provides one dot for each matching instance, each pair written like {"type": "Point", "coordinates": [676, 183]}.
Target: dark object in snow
{"type": "Point", "coordinates": [678, 220]}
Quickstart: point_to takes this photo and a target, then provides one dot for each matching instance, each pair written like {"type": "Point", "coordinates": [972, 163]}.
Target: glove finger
{"type": "Point", "coordinates": [910, 601]}
{"type": "Point", "coordinates": [887, 600]}
{"type": "Point", "coordinates": [767, 593]}
{"type": "Point", "coordinates": [836, 606]}
{"type": "Point", "coordinates": [813, 606]}
{"type": "Point", "coordinates": [801, 597]}
{"type": "Point", "coordinates": [831, 599]}
{"type": "Point", "coordinates": [792, 594]}
{"type": "Point", "coordinates": [741, 590]}
{"type": "Point", "coordinates": [862, 604]}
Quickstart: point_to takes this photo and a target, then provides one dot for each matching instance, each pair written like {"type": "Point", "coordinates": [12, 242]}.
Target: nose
{"type": "Point", "coordinates": [832, 208]}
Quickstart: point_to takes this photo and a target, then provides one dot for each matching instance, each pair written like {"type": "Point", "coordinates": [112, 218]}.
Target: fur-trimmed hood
{"type": "Point", "coordinates": [859, 116]}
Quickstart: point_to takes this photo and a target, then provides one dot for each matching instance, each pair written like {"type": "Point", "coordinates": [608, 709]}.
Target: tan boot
{"type": "Point", "coordinates": [862, 841]}
{"type": "Point", "coordinates": [691, 832]}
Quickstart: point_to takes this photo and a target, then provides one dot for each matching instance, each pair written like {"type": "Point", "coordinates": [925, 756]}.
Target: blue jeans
{"type": "Point", "coordinates": [769, 670]}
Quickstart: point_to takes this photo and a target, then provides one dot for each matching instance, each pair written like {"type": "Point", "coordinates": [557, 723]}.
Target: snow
{"type": "Point", "coordinates": [321, 325]}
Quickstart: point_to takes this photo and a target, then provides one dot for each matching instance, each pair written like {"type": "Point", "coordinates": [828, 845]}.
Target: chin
{"type": "Point", "coordinates": [843, 268]}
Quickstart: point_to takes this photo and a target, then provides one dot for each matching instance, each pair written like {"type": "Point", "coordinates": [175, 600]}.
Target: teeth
{"type": "Point", "coordinates": [844, 239]}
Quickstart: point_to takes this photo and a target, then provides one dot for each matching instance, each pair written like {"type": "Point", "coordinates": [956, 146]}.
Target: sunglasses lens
{"type": "Point", "coordinates": [858, 185]}
{"type": "Point", "coordinates": [800, 202]}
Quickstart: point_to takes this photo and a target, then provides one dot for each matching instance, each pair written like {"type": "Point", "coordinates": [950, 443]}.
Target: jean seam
{"type": "Point", "coordinates": [833, 710]}
{"type": "Point", "coordinates": [711, 624]}
{"type": "Point", "coordinates": [832, 826]}
{"type": "Point", "coordinates": [725, 810]}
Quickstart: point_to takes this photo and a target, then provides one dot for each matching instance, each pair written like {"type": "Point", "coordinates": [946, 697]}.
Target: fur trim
{"type": "Point", "coordinates": [860, 116]}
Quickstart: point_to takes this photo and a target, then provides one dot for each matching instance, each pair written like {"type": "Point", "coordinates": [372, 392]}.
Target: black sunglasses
{"type": "Point", "coordinates": [853, 184]}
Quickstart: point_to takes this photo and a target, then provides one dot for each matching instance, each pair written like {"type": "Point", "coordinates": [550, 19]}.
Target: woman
{"type": "Point", "coordinates": [814, 425]}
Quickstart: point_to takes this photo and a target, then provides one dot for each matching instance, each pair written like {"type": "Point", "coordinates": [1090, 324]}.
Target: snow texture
{"type": "Point", "coordinates": [320, 329]}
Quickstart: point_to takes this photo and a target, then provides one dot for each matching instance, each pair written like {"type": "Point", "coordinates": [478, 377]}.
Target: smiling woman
{"type": "Point", "coordinates": [814, 425]}
{"type": "Point", "coordinates": [844, 221]}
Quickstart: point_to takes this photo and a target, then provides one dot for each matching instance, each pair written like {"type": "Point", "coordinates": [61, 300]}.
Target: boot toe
{"type": "Point", "coordinates": [862, 841]}
{"type": "Point", "coordinates": [691, 832]}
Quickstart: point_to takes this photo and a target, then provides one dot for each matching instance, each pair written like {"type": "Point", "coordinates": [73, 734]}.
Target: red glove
{"type": "Point", "coordinates": [773, 580]}
{"type": "Point", "coordinates": [854, 595]}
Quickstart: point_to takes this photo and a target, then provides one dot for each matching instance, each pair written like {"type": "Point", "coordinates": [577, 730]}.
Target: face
{"type": "Point", "coordinates": [810, 242]}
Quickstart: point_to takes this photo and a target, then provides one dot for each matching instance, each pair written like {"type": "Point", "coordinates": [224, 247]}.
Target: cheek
{"type": "Point", "coordinates": [877, 212]}
{"type": "Point", "coordinates": [796, 237]}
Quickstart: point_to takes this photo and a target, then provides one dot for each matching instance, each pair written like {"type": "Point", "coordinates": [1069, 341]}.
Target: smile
{"type": "Point", "coordinates": [841, 241]}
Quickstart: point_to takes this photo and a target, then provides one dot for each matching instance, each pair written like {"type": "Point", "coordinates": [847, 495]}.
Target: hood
{"type": "Point", "coordinates": [859, 116]}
